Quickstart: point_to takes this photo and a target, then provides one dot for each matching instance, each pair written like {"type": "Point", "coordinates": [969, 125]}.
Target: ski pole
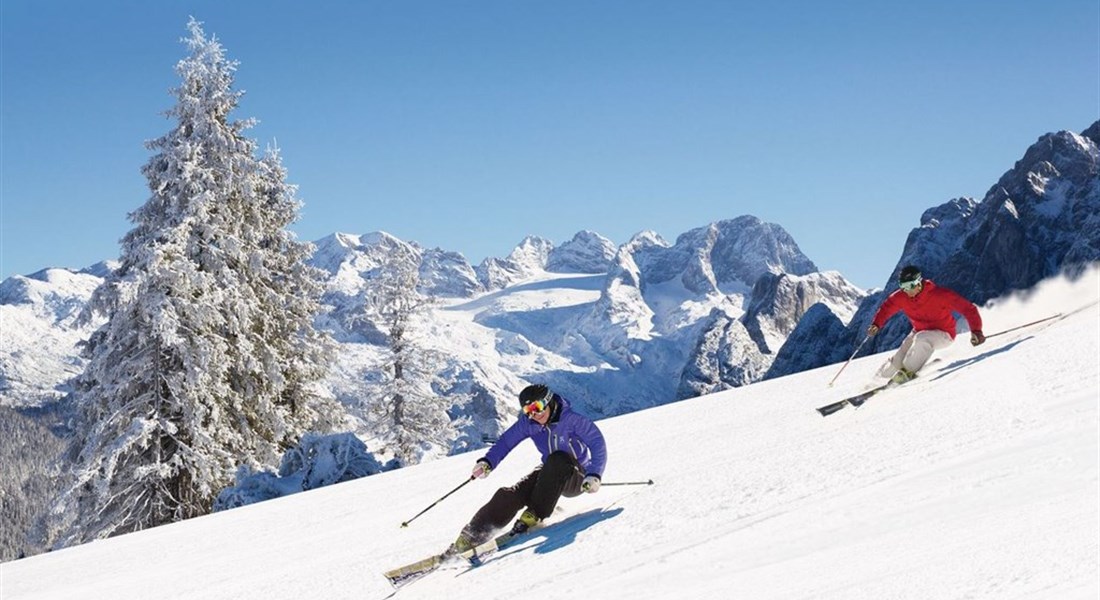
{"type": "Point", "coordinates": [406, 523]}
{"type": "Point", "coordinates": [1024, 325]}
{"type": "Point", "coordinates": [647, 482]}
{"type": "Point", "coordinates": [849, 360]}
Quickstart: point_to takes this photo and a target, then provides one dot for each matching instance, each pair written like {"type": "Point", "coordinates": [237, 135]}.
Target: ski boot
{"type": "Point", "coordinates": [525, 521]}
{"type": "Point", "coordinates": [466, 540]}
{"type": "Point", "coordinates": [903, 375]}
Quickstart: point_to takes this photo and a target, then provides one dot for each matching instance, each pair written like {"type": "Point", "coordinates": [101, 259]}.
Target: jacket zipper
{"type": "Point", "coordinates": [550, 444]}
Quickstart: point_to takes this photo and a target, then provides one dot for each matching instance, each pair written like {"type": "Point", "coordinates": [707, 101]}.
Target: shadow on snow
{"type": "Point", "coordinates": [958, 364]}
{"type": "Point", "coordinates": [558, 535]}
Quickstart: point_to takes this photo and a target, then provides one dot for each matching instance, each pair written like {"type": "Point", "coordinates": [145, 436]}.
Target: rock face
{"type": "Point", "coordinates": [734, 352]}
{"type": "Point", "coordinates": [587, 252]}
{"type": "Point", "coordinates": [526, 260]}
{"type": "Point", "coordinates": [726, 356]}
{"type": "Point", "coordinates": [1042, 215]}
{"type": "Point", "coordinates": [810, 345]}
{"type": "Point", "coordinates": [731, 253]}
{"type": "Point", "coordinates": [779, 302]}
{"type": "Point", "coordinates": [718, 261]}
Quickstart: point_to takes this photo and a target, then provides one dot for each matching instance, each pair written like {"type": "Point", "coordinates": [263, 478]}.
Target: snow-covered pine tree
{"type": "Point", "coordinates": [294, 356]}
{"type": "Point", "coordinates": [209, 358]}
{"type": "Point", "coordinates": [412, 416]}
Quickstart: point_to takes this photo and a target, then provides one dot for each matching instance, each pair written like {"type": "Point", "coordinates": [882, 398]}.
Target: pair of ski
{"type": "Point", "coordinates": [856, 400]}
{"type": "Point", "coordinates": [413, 571]}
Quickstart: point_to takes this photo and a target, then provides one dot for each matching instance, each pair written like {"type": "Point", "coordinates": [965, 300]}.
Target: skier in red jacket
{"type": "Point", "coordinates": [929, 308]}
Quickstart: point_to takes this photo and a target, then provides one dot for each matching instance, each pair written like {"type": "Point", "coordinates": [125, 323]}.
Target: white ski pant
{"type": "Point", "coordinates": [915, 351]}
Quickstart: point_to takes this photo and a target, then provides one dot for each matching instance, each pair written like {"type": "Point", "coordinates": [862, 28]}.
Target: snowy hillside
{"type": "Point", "coordinates": [39, 315]}
{"type": "Point", "coordinates": [978, 480]}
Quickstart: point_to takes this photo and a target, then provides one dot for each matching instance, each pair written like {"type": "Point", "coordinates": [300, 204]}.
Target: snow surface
{"type": "Point", "coordinates": [981, 479]}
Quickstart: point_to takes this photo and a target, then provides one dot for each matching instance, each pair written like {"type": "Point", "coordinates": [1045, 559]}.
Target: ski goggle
{"type": "Point", "coordinates": [535, 407]}
{"type": "Point", "coordinates": [910, 285]}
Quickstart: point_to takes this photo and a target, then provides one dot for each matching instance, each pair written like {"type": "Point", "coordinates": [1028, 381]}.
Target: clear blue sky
{"type": "Point", "coordinates": [467, 125]}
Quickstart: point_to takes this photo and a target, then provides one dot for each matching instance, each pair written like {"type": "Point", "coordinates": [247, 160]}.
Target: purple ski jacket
{"type": "Point", "coordinates": [566, 430]}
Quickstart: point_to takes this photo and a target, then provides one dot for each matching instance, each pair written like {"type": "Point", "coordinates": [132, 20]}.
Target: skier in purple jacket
{"type": "Point", "coordinates": [573, 460]}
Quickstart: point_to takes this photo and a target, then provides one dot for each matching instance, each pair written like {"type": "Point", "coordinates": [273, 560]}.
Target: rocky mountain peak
{"type": "Point", "coordinates": [528, 258]}
{"type": "Point", "coordinates": [587, 252]}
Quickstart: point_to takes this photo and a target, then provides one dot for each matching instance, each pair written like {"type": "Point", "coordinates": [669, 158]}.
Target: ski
{"type": "Point", "coordinates": [411, 572]}
{"type": "Point", "coordinates": [856, 400]}
{"type": "Point", "coordinates": [864, 396]}
{"type": "Point", "coordinates": [474, 555]}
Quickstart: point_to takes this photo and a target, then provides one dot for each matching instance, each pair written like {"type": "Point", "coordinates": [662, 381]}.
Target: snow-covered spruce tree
{"type": "Point", "coordinates": [209, 358]}
{"type": "Point", "coordinates": [412, 417]}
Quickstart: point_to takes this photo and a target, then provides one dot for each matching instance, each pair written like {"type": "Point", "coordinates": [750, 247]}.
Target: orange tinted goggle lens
{"type": "Point", "coordinates": [534, 407]}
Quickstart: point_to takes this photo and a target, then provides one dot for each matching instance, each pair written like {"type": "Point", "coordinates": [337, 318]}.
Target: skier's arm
{"type": "Point", "coordinates": [965, 308]}
{"type": "Point", "coordinates": [887, 310]}
{"type": "Point", "coordinates": [592, 437]}
{"type": "Point", "coordinates": [508, 440]}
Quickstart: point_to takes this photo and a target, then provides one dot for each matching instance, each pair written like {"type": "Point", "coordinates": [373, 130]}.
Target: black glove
{"type": "Point", "coordinates": [872, 330]}
{"type": "Point", "coordinates": [977, 338]}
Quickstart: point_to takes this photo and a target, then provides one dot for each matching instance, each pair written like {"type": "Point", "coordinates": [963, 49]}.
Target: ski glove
{"type": "Point", "coordinates": [977, 338]}
{"type": "Point", "coordinates": [481, 469]}
{"type": "Point", "coordinates": [591, 484]}
{"type": "Point", "coordinates": [872, 330]}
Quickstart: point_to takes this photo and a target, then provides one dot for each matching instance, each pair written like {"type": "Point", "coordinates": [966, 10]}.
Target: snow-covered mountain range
{"type": "Point", "coordinates": [616, 328]}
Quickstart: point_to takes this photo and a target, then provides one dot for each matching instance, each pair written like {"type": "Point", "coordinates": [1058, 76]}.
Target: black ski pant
{"type": "Point", "coordinates": [539, 491]}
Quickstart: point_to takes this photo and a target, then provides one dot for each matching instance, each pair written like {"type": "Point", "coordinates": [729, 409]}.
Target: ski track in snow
{"type": "Point", "coordinates": [977, 480]}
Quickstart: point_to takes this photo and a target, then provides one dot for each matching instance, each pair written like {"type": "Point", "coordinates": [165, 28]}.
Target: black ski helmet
{"type": "Point", "coordinates": [909, 273]}
{"type": "Point", "coordinates": [534, 393]}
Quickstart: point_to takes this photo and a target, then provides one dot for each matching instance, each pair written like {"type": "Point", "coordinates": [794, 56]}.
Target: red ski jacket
{"type": "Point", "coordinates": [930, 309]}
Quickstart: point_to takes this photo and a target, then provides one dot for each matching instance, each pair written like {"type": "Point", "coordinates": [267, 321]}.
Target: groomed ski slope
{"type": "Point", "coordinates": [979, 480]}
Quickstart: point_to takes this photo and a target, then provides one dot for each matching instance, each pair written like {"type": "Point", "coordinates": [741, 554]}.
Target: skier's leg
{"type": "Point", "coordinates": [897, 361]}
{"type": "Point", "coordinates": [560, 474]}
{"type": "Point", "coordinates": [501, 508]}
{"type": "Point", "coordinates": [573, 485]}
{"type": "Point", "coordinates": [924, 343]}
